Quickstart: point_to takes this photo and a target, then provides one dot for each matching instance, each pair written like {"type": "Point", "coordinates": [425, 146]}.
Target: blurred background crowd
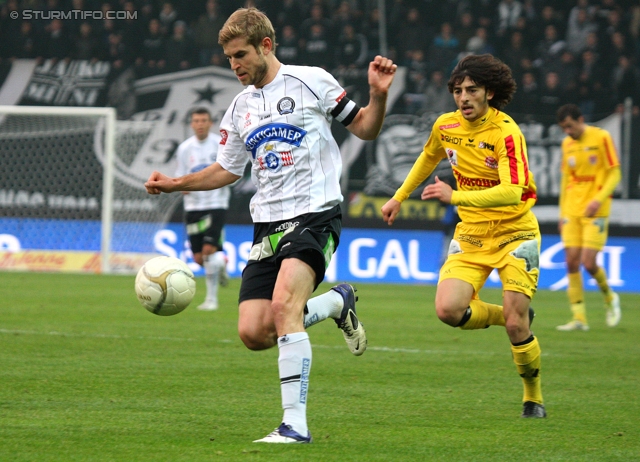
{"type": "Point", "coordinates": [584, 51]}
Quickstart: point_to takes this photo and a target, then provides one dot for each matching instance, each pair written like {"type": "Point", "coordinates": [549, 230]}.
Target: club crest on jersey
{"type": "Point", "coordinates": [593, 160]}
{"type": "Point", "coordinates": [286, 133]}
{"type": "Point", "coordinates": [452, 155]}
{"type": "Point", "coordinates": [286, 105]}
{"type": "Point", "coordinates": [491, 162]}
{"type": "Point", "coordinates": [571, 161]}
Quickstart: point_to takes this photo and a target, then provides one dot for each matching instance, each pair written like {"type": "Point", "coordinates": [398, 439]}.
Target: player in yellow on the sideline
{"type": "Point", "coordinates": [590, 173]}
{"type": "Point", "coordinates": [488, 156]}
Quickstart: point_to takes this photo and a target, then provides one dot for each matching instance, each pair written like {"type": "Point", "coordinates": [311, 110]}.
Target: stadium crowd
{"type": "Point", "coordinates": [560, 51]}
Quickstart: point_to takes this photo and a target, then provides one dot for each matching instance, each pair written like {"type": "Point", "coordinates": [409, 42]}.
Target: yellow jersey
{"type": "Point", "coordinates": [488, 158]}
{"type": "Point", "coordinates": [586, 164]}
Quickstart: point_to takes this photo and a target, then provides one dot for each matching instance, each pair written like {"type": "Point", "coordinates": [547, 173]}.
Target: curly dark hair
{"type": "Point", "coordinates": [489, 72]}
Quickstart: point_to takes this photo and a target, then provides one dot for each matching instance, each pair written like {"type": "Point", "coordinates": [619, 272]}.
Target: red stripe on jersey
{"type": "Point", "coordinates": [524, 161]}
{"type": "Point", "coordinates": [511, 154]}
{"type": "Point", "coordinates": [610, 157]}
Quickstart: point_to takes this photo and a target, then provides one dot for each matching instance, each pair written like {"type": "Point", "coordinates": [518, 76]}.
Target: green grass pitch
{"type": "Point", "coordinates": [87, 374]}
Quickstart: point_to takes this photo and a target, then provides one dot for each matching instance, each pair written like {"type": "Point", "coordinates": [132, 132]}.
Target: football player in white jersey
{"type": "Point", "coordinates": [205, 211]}
{"type": "Point", "coordinates": [281, 123]}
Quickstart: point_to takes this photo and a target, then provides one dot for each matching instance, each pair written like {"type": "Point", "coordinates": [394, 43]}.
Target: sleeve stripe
{"type": "Point", "coordinates": [513, 162]}
{"type": "Point", "coordinates": [610, 158]}
{"type": "Point", "coordinates": [524, 161]}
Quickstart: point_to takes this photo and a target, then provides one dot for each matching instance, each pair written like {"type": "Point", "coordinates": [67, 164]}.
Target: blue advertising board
{"type": "Point", "coordinates": [364, 255]}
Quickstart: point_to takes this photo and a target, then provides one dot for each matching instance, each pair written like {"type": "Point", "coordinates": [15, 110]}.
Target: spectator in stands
{"type": "Point", "coordinates": [549, 16]}
{"type": "Point", "coordinates": [444, 49]}
{"type": "Point", "coordinates": [436, 96]}
{"type": "Point", "coordinates": [26, 44]}
{"type": "Point", "coordinates": [179, 48]}
{"type": "Point", "coordinates": [351, 50]}
{"type": "Point", "coordinates": [479, 44]}
{"type": "Point", "coordinates": [549, 49]}
{"type": "Point", "coordinates": [288, 50]}
{"type": "Point", "coordinates": [85, 45]}
{"type": "Point", "coordinates": [317, 16]}
{"type": "Point", "coordinates": [626, 81]}
{"type": "Point", "coordinates": [579, 27]}
{"type": "Point", "coordinates": [551, 97]}
{"type": "Point", "coordinates": [616, 46]}
{"type": "Point", "coordinates": [153, 52]}
{"type": "Point", "coordinates": [527, 98]}
{"type": "Point", "coordinates": [508, 13]}
{"type": "Point", "coordinates": [168, 15]}
{"type": "Point", "coordinates": [288, 13]}
{"type": "Point", "coordinates": [414, 35]}
{"type": "Point", "coordinates": [371, 30]}
{"type": "Point", "coordinates": [344, 15]}
{"type": "Point", "coordinates": [206, 35]}
{"type": "Point", "coordinates": [517, 56]}
{"type": "Point", "coordinates": [465, 27]}
{"type": "Point", "coordinates": [56, 43]}
{"type": "Point", "coordinates": [592, 86]}
{"type": "Point", "coordinates": [415, 82]}
{"type": "Point", "coordinates": [318, 49]}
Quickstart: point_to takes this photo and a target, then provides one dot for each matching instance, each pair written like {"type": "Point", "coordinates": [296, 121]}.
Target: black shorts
{"type": "Point", "coordinates": [312, 238]}
{"type": "Point", "coordinates": [205, 227]}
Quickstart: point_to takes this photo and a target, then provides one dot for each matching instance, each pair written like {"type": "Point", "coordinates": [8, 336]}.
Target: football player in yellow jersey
{"type": "Point", "coordinates": [495, 193]}
{"type": "Point", "coordinates": [590, 173]}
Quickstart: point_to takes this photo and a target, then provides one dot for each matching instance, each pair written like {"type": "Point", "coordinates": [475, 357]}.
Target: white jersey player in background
{"type": "Point", "coordinates": [205, 211]}
{"type": "Point", "coordinates": [281, 123]}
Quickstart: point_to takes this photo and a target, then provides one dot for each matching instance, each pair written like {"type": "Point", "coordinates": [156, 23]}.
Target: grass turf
{"type": "Point", "coordinates": [87, 374]}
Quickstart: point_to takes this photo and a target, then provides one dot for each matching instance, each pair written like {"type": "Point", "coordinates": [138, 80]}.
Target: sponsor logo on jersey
{"type": "Point", "coordinates": [286, 105]}
{"type": "Point", "coordinates": [491, 162]}
{"type": "Point", "coordinates": [470, 240]}
{"type": "Point", "coordinates": [571, 161]}
{"type": "Point", "coordinates": [223, 136]}
{"type": "Point", "coordinates": [448, 126]}
{"type": "Point", "coordinates": [287, 225]}
{"type": "Point", "coordinates": [485, 145]}
{"type": "Point", "coordinates": [450, 139]}
{"type": "Point", "coordinates": [452, 155]}
{"type": "Point", "coordinates": [525, 236]}
{"type": "Point", "coordinates": [287, 133]}
{"type": "Point", "coordinates": [481, 182]}
{"type": "Point", "coordinates": [274, 160]}
{"type": "Point", "coordinates": [255, 95]}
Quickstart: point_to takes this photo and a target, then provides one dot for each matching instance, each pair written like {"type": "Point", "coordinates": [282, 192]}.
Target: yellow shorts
{"type": "Point", "coordinates": [514, 252]}
{"type": "Point", "coordinates": [590, 233]}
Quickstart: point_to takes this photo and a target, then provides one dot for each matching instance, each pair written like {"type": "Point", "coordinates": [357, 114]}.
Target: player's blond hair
{"type": "Point", "coordinates": [250, 23]}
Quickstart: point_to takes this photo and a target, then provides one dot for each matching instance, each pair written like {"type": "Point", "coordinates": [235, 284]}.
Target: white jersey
{"type": "Point", "coordinates": [284, 130]}
{"type": "Point", "coordinates": [194, 155]}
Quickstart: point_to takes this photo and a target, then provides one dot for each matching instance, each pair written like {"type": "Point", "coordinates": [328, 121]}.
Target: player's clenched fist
{"type": "Point", "coordinates": [158, 183]}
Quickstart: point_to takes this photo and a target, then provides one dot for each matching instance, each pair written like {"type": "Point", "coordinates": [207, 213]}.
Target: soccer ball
{"type": "Point", "coordinates": [165, 286]}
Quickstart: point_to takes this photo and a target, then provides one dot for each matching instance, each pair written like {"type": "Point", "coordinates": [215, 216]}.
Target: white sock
{"type": "Point", "coordinates": [211, 276]}
{"type": "Point", "coordinates": [219, 260]}
{"type": "Point", "coordinates": [327, 305]}
{"type": "Point", "coordinates": [294, 365]}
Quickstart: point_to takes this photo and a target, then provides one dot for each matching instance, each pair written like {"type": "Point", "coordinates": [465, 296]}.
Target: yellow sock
{"type": "Point", "coordinates": [483, 315]}
{"type": "Point", "coordinates": [579, 312]}
{"type": "Point", "coordinates": [575, 291]}
{"type": "Point", "coordinates": [527, 359]}
{"type": "Point", "coordinates": [601, 279]}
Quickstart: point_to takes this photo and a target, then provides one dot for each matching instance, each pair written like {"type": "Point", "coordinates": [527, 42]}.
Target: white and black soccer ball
{"type": "Point", "coordinates": [165, 285]}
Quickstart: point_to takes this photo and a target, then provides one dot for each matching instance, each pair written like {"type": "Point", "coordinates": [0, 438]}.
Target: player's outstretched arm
{"type": "Point", "coordinates": [367, 124]}
{"type": "Point", "coordinates": [212, 177]}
